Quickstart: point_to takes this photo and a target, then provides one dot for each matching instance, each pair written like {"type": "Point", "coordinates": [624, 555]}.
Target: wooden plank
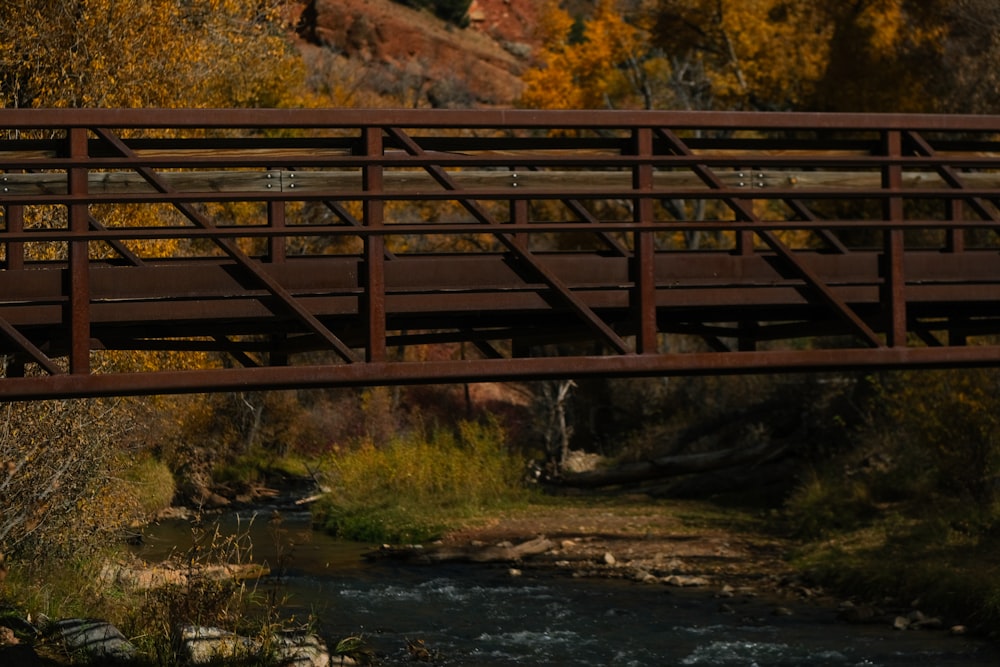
{"type": "Point", "coordinates": [127, 182]}
{"type": "Point", "coordinates": [416, 181]}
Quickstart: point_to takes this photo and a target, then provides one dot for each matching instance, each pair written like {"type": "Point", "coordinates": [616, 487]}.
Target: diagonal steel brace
{"type": "Point", "coordinates": [29, 348]}
{"type": "Point", "coordinates": [775, 244]}
{"type": "Point", "coordinates": [509, 242]}
{"type": "Point", "coordinates": [230, 248]}
{"type": "Point", "coordinates": [951, 177]}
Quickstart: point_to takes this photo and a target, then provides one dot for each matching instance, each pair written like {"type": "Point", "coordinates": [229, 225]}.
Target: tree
{"type": "Point", "coordinates": [600, 63]}
{"type": "Point", "coordinates": [862, 55]}
{"type": "Point", "coordinates": [764, 54]}
{"type": "Point", "coordinates": [970, 77]}
{"type": "Point", "coordinates": [56, 474]}
{"type": "Point", "coordinates": [551, 402]}
{"type": "Point", "coordinates": [145, 53]}
{"type": "Point", "coordinates": [60, 459]}
{"type": "Point", "coordinates": [884, 56]}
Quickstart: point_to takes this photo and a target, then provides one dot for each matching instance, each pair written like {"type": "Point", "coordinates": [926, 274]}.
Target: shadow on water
{"type": "Point", "coordinates": [481, 615]}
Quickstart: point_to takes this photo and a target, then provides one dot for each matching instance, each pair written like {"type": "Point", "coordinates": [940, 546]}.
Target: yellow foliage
{"type": "Point", "coordinates": [57, 465]}
{"type": "Point", "coordinates": [145, 53]}
{"type": "Point", "coordinates": [751, 49]}
{"type": "Point", "coordinates": [586, 74]}
{"type": "Point", "coordinates": [881, 55]}
{"type": "Point", "coordinates": [774, 54]}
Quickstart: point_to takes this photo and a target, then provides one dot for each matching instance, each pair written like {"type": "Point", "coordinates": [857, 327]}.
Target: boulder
{"type": "Point", "coordinates": [92, 638]}
{"type": "Point", "coordinates": [684, 581]}
{"type": "Point", "coordinates": [203, 645]}
{"type": "Point", "coordinates": [302, 650]}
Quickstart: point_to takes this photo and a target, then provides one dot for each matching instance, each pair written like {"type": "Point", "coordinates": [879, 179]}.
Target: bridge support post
{"type": "Point", "coordinates": [13, 216]}
{"type": "Point", "coordinates": [78, 287]}
{"type": "Point", "coordinates": [276, 245]}
{"type": "Point", "coordinates": [955, 237]}
{"type": "Point", "coordinates": [374, 247]}
{"type": "Point", "coordinates": [894, 285]}
{"type": "Point", "coordinates": [644, 255]}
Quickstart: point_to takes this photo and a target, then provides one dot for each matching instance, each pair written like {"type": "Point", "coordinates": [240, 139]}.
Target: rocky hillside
{"type": "Point", "coordinates": [419, 59]}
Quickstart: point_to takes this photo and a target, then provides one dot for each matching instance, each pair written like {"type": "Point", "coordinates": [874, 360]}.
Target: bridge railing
{"type": "Point", "coordinates": [533, 236]}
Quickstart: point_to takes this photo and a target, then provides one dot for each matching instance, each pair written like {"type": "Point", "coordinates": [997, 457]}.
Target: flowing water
{"type": "Point", "coordinates": [481, 615]}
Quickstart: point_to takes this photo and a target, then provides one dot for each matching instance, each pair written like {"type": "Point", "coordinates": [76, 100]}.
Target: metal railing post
{"type": "Point", "coordinates": [955, 237]}
{"type": "Point", "coordinates": [78, 252]}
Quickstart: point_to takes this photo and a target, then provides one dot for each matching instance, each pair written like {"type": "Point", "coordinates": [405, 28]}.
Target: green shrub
{"type": "Point", "coordinates": [413, 488]}
{"type": "Point", "coordinates": [946, 424]}
{"type": "Point", "coordinates": [826, 503]}
{"type": "Point", "coordinates": [153, 485]}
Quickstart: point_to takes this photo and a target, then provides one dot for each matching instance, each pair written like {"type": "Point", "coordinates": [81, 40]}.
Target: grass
{"type": "Point", "coordinates": [903, 553]}
{"type": "Point", "coordinates": [867, 537]}
{"type": "Point", "coordinates": [259, 465]}
{"type": "Point", "coordinates": [414, 488]}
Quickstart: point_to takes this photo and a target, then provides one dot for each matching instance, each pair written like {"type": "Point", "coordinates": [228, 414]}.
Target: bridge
{"type": "Point", "coordinates": [307, 248]}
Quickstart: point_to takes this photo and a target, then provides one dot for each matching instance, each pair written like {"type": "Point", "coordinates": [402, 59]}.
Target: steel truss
{"type": "Point", "coordinates": [360, 247]}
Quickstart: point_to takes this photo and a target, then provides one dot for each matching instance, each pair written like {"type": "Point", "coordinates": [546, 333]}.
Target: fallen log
{"type": "Point", "coordinates": [678, 464]}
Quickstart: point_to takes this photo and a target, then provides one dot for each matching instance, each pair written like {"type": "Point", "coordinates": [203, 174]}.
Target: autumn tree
{"type": "Point", "coordinates": [601, 62]}
{"type": "Point", "coordinates": [864, 55]}
{"type": "Point", "coordinates": [63, 461]}
{"type": "Point", "coordinates": [57, 474]}
{"type": "Point", "coordinates": [148, 53]}
{"type": "Point", "coordinates": [768, 53]}
{"type": "Point", "coordinates": [883, 56]}
{"type": "Point", "coordinates": [145, 53]}
{"type": "Point", "coordinates": [969, 81]}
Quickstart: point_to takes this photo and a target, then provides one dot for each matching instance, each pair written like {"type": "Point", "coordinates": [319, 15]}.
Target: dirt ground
{"type": "Point", "coordinates": [683, 544]}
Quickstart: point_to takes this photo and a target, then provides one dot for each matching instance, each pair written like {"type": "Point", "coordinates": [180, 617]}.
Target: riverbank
{"type": "Point", "coordinates": [614, 539]}
{"type": "Point", "coordinates": [696, 582]}
{"type": "Point", "coordinates": [730, 552]}
{"type": "Point", "coordinates": [730, 562]}
{"type": "Point", "coordinates": [727, 549]}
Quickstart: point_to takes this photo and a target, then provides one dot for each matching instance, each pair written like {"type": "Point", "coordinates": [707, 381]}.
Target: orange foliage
{"type": "Point", "coordinates": [871, 55]}
{"type": "Point", "coordinates": [587, 73]}
{"type": "Point", "coordinates": [145, 53]}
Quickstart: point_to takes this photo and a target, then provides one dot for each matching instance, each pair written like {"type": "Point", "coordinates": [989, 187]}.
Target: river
{"type": "Point", "coordinates": [483, 616]}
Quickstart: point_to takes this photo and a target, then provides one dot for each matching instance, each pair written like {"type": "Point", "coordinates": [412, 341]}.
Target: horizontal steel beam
{"type": "Point", "coordinates": [493, 370]}
{"type": "Point", "coordinates": [23, 119]}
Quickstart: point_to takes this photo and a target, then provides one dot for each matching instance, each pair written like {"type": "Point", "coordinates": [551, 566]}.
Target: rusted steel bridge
{"type": "Point", "coordinates": [157, 251]}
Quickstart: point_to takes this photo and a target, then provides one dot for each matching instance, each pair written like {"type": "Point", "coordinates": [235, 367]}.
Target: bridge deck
{"type": "Point", "coordinates": [342, 247]}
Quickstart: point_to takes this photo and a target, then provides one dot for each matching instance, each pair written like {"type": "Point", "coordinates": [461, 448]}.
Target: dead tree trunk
{"type": "Point", "coordinates": [680, 464]}
{"type": "Point", "coordinates": [558, 432]}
